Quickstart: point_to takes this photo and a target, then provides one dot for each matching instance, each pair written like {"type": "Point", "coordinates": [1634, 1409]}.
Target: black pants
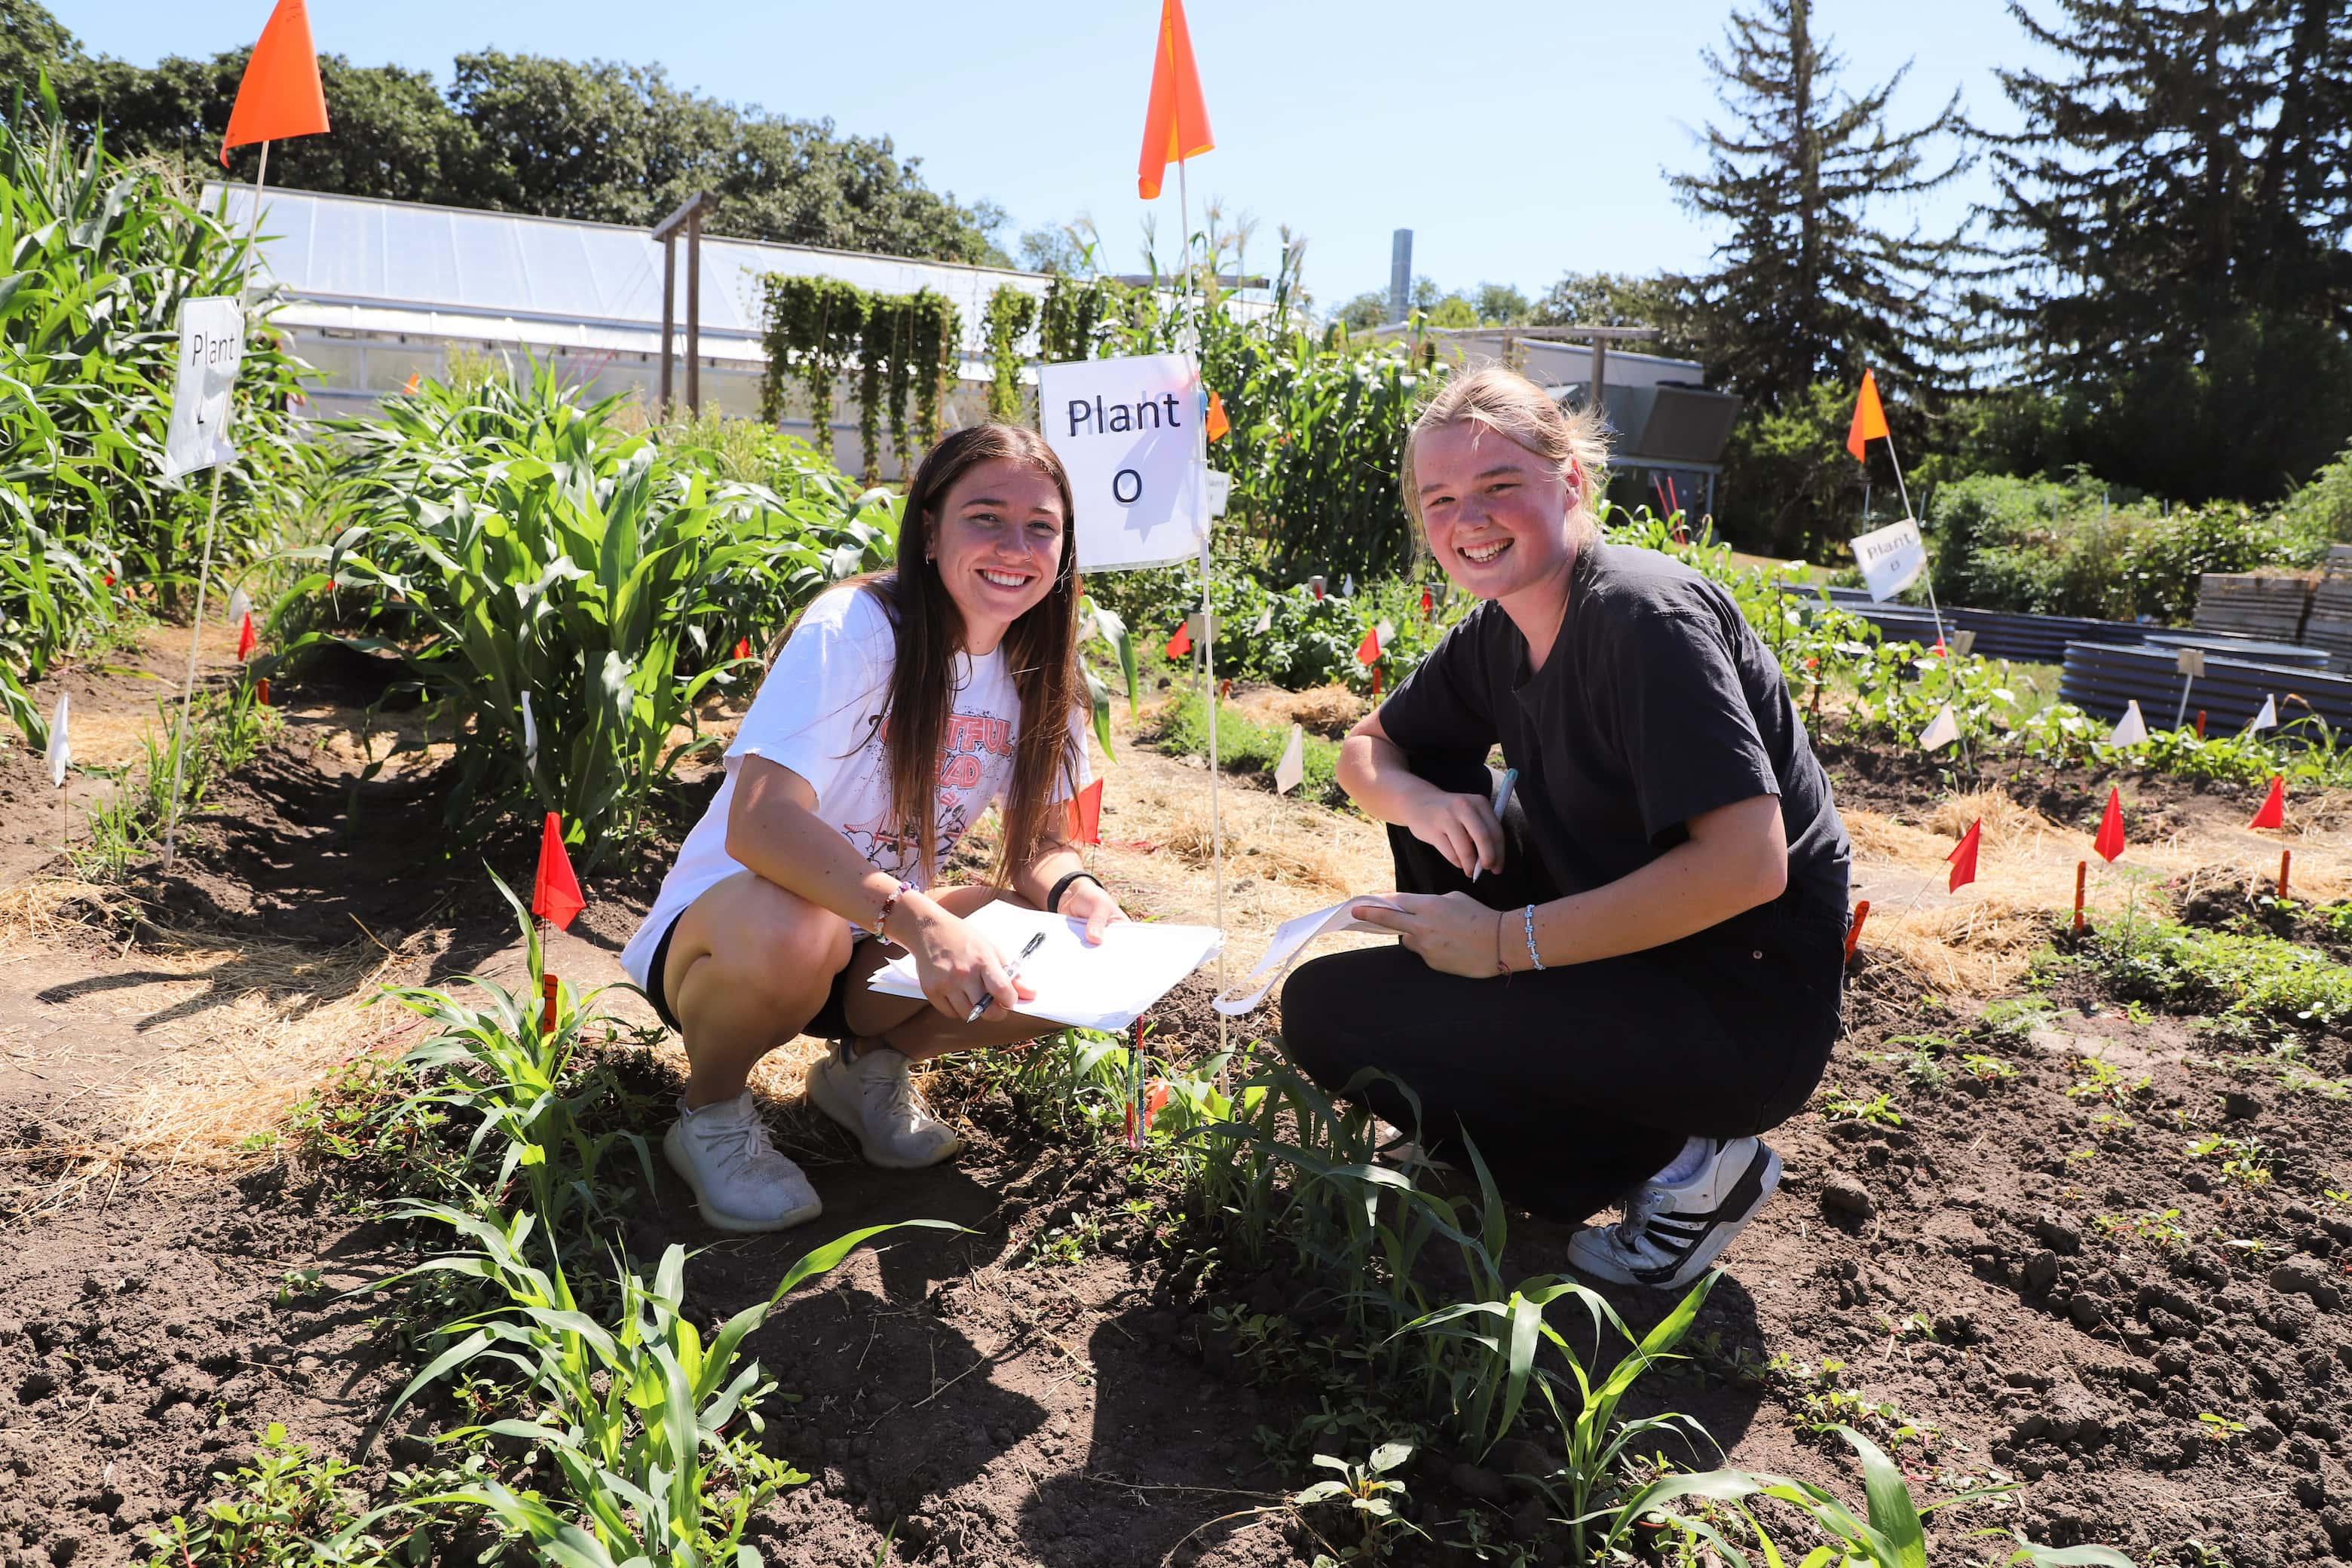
{"type": "Point", "coordinates": [1577, 1082]}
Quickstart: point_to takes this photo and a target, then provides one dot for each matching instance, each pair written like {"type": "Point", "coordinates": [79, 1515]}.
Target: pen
{"type": "Point", "coordinates": [1011, 972]}
{"type": "Point", "coordinates": [1502, 798]}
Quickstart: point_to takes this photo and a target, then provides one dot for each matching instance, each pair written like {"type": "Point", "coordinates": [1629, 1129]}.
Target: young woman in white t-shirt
{"type": "Point", "coordinates": [899, 708]}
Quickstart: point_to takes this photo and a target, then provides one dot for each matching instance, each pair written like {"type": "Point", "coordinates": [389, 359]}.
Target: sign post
{"type": "Point", "coordinates": [212, 348]}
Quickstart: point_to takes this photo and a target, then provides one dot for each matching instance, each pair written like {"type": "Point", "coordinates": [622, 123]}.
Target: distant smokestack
{"type": "Point", "coordinates": [1399, 274]}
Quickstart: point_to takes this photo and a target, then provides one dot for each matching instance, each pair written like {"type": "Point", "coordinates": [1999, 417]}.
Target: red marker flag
{"type": "Point", "coordinates": [279, 94]}
{"type": "Point", "coordinates": [1369, 650]}
{"type": "Point", "coordinates": [1869, 419]}
{"type": "Point", "coordinates": [1182, 643]}
{"type": "Point", "coordinates": [1176, 122]}
{"type": "Point", "coordinates": [245, 642]}
{"type": "Point", "coordinates": [555, 891]}
{"type": "Point", "coordinates": [2273, 811]}
{"type": "Point", "coordinates": [1428, 604]}
{"type": "Point", "coordinates": [742, 647]}
{"type": "Point", "coordinates": [1219, 426]}
{"type": "Point", "coordinates": [1085, 812]}
{"type": "Point", "coordinates": [1964, 857]}
{"type": "Point", "coordinates": [2110, 841]}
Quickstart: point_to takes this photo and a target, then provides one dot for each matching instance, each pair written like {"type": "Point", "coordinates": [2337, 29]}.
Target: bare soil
{"type": "Point", "coordinates": [1999, 1272]}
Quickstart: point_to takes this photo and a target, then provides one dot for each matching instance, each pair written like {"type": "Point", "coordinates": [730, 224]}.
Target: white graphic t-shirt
{"type": "Point", "coordinates": [819, 713]}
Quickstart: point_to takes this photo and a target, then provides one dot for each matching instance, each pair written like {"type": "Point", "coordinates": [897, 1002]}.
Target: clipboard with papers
{"type": "Point", "coordinates": [1105, 988]}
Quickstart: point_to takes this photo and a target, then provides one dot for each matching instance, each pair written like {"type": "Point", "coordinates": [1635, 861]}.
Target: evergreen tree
{"type": "Point", "coordinates": [1806, 286]}
{"type": "Point", "coordinates": [2176, 211]}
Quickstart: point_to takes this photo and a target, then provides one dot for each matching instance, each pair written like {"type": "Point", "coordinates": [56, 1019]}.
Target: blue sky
{"type": "Point", "coordinates": [1522, 139]}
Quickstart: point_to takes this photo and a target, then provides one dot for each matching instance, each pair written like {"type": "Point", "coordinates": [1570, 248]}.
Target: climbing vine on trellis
{"type": "Point", "coordinates": [1011, 311]}
{"type": "Point", "coordinates": [902, 347]}
{"type": "Point", "coordinates": [1077, 317]}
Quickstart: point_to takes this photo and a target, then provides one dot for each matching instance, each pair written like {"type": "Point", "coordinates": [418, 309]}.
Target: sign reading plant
{"type": "Point", "coordinates": [1129, 432]}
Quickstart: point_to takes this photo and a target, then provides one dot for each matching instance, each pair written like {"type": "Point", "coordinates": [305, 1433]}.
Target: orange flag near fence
{"type": "Point", "coordinates": [279, 95]}
{"type": "Point", "coordinates": [2273, 809]}
{"type": "Point", "coordinates": [1869, 419]}
{"type": "Point", "coordinates": [1176, 125]}
{"type": "Point", "coordinates": [2110, 841]}
{"type": "Point", "coordinates": [555, 891]}
{"type": "Point", "coordinates": [1218, 425]}
{"type": "Point", "coordinates": [1964, 857]}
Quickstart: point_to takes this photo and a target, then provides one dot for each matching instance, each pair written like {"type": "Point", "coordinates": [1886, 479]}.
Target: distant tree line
{"type": "Point", "coordinates": [597, 139]}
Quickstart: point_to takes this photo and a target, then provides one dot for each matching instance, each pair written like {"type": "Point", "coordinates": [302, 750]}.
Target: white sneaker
{"type": "Point", "coordinates": [872, 1096]}
{"type": "Point", "coordinates": [739, 1182]}
{"type": "Point", "coordinates": [1670, 1234]}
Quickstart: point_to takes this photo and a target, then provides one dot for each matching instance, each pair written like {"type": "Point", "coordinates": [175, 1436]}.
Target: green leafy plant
{"type": "Point", "coordinates": [285, 1509]}
{"type": "Point", "coordinates": [1368, 1491]}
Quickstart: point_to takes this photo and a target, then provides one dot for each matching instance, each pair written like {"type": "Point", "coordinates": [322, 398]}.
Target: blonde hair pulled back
{"type": "Point", "coordinates": [1502, 400]}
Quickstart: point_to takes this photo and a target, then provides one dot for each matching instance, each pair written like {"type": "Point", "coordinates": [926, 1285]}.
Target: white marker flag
{"type": "Point", "coordinates": [212, 347]}
{"type": "Point", "coordinates": [2268, 718]}
{"type": "Point", "coordinates": [1386, 633]}
{"type": "Point", "coordinates": [239, 606]}
{"type": "Point", "coordinates": [1891, 558]}
{"type": "Point", "coordinates": [530, 734]}
{"type": "Point", "coordinates": [1347, 587]}
{"type": "Point", "coordinates": [1266, 618]}
{"type": "Point", "coordinates": [2131, 728]}
{"type": "Point", "coordinates": [1129, 431]}
{"type": "Point", "coordinates": [59, 756]}
{"type": "Point", "coordinates": [1941, 731]}
{"type": "Point", "coordinates": [1292, 768]}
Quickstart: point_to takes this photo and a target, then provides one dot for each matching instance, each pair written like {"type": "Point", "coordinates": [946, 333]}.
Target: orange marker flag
{"type": "Point", "coordinates": [1176, 125]}
{"type": "Point", "coordinates": [1964, 856]}
{"type": "Point", "coordinates": [246, 640]}
{"type": "Point", "coordinates": [279, 95]}
{"type": "Point", "coordinates": [1182, 643]}
{"type": "Point", "coordinates": [1219, 426]}
{"type": "Point", "coordinates": [1086, 814]}
{"type": "Point", "coordinates": [1869, 419]}
{"type": "Point", "coordinates": [1369, 650]}
{"type": "Point", "coordinates": [415, 379]}
{"type": "Point", "coordinates": [555, 891]}
{"type": "Point", "coordinates": [2110, 841]}
{"type": "Point", "coordinates": [2273, 811]}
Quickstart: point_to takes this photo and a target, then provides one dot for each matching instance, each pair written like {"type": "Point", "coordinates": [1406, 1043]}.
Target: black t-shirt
{"type": "Point", "coordinates": [1659, 703]}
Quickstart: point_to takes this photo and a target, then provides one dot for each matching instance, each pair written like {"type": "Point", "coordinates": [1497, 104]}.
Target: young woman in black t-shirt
{"type": "Point", "coordinates": [1615, 984]}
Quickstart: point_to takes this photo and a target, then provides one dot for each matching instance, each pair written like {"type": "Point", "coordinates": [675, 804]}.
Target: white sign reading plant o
{"type": "Point", "coordinates": [1129, 431]}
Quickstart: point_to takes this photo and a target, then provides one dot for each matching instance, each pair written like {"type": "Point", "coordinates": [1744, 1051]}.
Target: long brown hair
{"type": "Point", "coordinates": [1041, 649]}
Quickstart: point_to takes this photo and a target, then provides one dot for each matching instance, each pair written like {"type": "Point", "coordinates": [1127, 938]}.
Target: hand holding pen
{"type": "Point", "coordinates": [1012, 973]}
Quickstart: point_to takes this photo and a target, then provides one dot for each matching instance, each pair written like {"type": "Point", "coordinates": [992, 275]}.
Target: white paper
{"type": "Point", "coordinates": [1129, 431]}
{"type": "Point", "coordinates": [1292, 768]}
{"type": "Point", "coordinates": [1289, 938]}
{"type": "Point", "coordinates": [59, 756]}
{"type": "Point", "coordinates": [212, 347]}
{"type": "Point", "coordinates": [1941, 731]}
{"type": "Point", "coordinates": [2131, 728]}
{"type": "Point", "coordinates": [1105, 988]}
{"type": "Point", "coordinates": [2268, 718]}
{"type": "Point", "coordinates": [1891, 558]}
{"type": "Point", "coordinates": [1220, 490]}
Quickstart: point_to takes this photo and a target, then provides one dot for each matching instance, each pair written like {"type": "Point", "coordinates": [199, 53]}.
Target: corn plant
{"type": "Point", "coordinates": [522, 1083]}
{"type": "Point", "coordinates": [651, 1429]}
{"type": "Point", "coordinates": [516, 543]}
{"type": "Point", "coordinates": [1890, 1531]}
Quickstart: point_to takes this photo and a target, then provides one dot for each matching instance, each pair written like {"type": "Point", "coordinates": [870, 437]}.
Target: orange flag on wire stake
{"type": "Point", "coordinates": [1964, 857]}
{"type": "Point", "coordinates": [1369, 650]}
{"type": "Point", "coordinates": [2110, 841]}
{"type": "Point", "coordinates": [1176, 125]}
{"type": "Point", "coordinates": [1218, 425]}
{"type": "Point", "coordinates": [1086, 814]}
{"type": "Point", "coordinates": [2273, 809]}
{"type": "Point", "coordinates": [279, 94]}
{"type": "Point", "coordinates": [1869, 419]}
{"type": "Point", "coordinates": [555, 891]}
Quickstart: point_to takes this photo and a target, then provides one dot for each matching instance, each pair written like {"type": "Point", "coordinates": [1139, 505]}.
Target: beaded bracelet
{"type": "Point", "coordinates": [1528, 917]}
{"type": "Point", "coordinates": [900, 891]}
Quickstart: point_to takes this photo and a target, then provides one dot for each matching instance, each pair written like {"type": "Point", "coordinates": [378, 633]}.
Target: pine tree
{"type": "Point", "coordinates": [1806, 288]}
{"type": "Point", "coordinates": [2176, 212]}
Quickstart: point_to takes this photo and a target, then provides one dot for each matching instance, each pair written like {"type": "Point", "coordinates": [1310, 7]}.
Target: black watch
{"type": "Point", "coordinates": [1054, 898]}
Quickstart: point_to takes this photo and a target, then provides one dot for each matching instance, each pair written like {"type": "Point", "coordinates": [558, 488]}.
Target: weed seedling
{"type": "Point", "coordinates": [1985, 1068]}
{"type": "Point", "coordinates": [1368, 1493]}
{"type": "Point", "coordinates": [2220, 1428]}
{"type": "Point", "coordinates": [1842, 1106]}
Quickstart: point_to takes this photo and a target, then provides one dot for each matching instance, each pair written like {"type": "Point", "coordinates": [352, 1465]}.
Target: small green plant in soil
{"type": "Point", "coordinates": [2252, 985]}
{"type": "Point", "coordinates": [2160, 1228]}
{"type": "Point", "coordinates": [1985, 1068]}
{"type": "Point", "coordinates": [285, 1509]}
{"type": "Point", "coordinates": [2102, 1080]}
{"type": "Point", "coordinates": [1878, 1110]}
{"type": "Point", "coordinates": [1824, 1405]}
{"type": "Point", "coordinates": [2243, 1160]}
{"type": "Point", "coordinates": [225, 727]}
{"type": "Point", "coordinates": [1370, 1495]}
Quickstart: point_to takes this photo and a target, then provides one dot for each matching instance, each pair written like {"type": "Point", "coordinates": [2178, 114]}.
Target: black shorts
{"type": "Point", "coordinates": [830, 1023]}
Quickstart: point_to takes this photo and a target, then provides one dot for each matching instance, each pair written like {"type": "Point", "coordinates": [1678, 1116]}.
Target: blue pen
{"type": "Point", "coordinates": [1502, 798]}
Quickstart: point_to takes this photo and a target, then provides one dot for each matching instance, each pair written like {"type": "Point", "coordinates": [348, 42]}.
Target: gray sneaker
{"type": "Point", "coordinates": [873, 1096]}
{"type": "Point", "coordinates": [1669, 1235]}
{"type": "Point", "coordinates": [739, 1182]}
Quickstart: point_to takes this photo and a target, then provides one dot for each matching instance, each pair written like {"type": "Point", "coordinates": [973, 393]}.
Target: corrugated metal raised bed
{"type": "Point", "coordinates": [2100, 679]}
{"type": "Point", "coordinates": [2000, 634]}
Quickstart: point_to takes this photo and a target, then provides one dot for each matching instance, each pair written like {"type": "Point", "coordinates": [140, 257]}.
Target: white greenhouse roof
{"type": "Point", "coordinates": [361, 265]}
